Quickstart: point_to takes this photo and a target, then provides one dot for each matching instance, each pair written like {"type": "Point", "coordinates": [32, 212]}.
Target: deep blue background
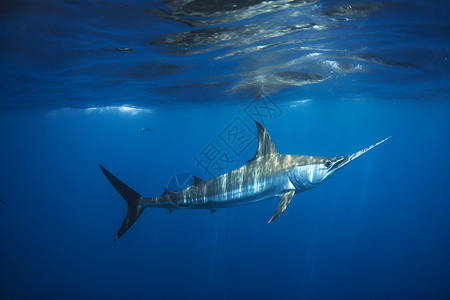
{"type": "Point", "coordinates": [378, 229]}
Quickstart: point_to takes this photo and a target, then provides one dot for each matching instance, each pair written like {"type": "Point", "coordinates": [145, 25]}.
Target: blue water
{"type": "Point", "coordinates": [150, 89]}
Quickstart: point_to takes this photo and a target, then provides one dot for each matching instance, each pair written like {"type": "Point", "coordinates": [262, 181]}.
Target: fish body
{"type": "Point", "coordinates": [267, 175]}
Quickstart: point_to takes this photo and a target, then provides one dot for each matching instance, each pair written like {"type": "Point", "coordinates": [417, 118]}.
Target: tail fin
{"type": "Point", "coordinates": [133, 200]}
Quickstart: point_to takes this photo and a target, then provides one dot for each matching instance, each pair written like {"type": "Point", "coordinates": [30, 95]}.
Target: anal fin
{"type": "Point", "coordinates": [285, 199]}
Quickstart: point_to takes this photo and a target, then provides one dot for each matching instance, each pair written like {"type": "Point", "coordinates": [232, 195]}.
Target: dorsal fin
{"type": "Point", "coordinates": [196, 182]}
{"type": "Point", "coordinates": [265, 144]}
{"type": "Point", "coordinates": [167, 192]}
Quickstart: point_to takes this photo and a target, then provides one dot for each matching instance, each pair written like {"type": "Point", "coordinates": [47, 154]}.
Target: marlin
{"type": "Point", "coordinates": [267, 175]}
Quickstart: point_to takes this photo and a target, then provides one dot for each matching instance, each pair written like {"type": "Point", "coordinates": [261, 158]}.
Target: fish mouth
{"type": "Point", "coordinates": [343, 160]}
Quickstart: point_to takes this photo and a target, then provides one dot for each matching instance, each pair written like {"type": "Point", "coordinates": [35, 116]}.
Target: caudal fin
{"type": "Point", "coordinates": [133, 200]}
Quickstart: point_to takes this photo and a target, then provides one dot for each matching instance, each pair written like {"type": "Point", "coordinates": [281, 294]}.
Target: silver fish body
{"type": "Point", "coordinates": [267, 175]}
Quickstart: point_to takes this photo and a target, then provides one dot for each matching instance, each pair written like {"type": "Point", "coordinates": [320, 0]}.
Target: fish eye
{"type": "Point", "coordinates": [328, 164]}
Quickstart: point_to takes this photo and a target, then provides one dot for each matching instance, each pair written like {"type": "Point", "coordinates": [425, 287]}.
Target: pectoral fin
{"type": "Point", "coordinates": [285, 199]}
